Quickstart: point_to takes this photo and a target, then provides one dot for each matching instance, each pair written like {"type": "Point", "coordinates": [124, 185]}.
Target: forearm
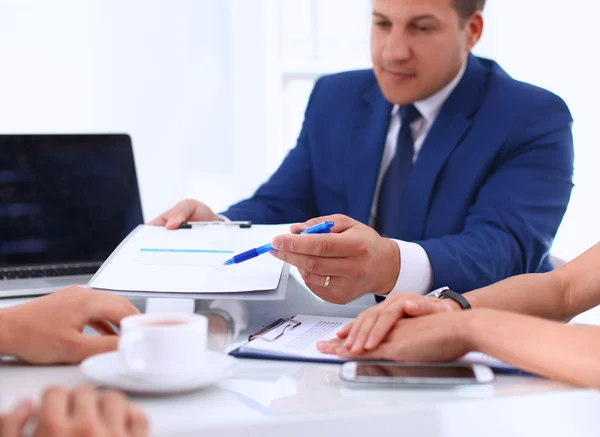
{"type": "Point", "coordinates": [564, 352]}
{"type": "Point", "coordinates": [540, 295]}
{"type": "Point", "coordinates": [558, 295]}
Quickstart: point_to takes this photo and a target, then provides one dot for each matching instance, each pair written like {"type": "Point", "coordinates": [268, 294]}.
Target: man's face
{"type": "Point", "coordinates": [419, 46]}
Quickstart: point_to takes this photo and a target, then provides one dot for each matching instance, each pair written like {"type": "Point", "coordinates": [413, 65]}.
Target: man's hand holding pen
{"type": "Point", "coordinates": [339, 267]}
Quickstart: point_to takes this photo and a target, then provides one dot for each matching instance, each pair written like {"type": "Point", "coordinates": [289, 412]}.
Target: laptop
{"type": "Point", "coordinates": [66, 202]}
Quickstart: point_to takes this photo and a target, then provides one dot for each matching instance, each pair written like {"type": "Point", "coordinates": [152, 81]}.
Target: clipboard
{"type": "Point", "coordinates": [263, 356]}
{"type": "Point", "coordinates": [290, 326]}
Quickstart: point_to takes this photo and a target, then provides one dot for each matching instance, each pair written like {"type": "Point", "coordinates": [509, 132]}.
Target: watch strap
{"type": "Point", "coordinates": [456, 297]}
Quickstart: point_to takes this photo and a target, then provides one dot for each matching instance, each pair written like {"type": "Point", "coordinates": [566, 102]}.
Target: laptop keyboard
{"type": "Point", "coordinates": [49, 271]}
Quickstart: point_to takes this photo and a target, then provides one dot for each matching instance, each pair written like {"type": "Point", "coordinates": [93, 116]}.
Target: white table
{"type": "Point", "coordinates": [269, 398]}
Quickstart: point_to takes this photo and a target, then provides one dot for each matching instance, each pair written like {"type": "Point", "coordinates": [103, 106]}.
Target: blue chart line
{"type": "Point", "coordinates": [185, 250]}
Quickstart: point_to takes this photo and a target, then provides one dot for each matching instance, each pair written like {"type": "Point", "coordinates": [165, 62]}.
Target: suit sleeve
{"type": "Point", "coordinates": [287, 197]}
{"type": "Point", "coordinates": [511, 225]}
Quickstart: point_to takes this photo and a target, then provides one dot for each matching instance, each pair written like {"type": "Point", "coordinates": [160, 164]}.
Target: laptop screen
{"type": "Point", "coordinates": [65, 198]}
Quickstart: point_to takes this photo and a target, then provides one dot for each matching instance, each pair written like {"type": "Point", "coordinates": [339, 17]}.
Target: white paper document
{"type": "Point", "coordinates": [154, 259]}
{"type": "Point", "coordinates": [301, 341]}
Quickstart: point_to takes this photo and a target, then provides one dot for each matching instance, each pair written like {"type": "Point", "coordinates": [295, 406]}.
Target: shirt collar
{"type": "Point", "coordinates": [432, 105]}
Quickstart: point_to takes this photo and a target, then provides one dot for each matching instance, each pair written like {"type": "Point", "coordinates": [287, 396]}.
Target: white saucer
{"type": "Point", "coordinates": [107, 370]}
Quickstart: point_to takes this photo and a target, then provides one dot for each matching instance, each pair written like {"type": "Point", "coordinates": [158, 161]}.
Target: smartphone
{"type": "Point", "coordinates": [387, 373]}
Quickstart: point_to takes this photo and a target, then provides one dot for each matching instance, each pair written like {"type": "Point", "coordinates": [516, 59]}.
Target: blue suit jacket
{"type": "Point", "coordinates": [486, 195]}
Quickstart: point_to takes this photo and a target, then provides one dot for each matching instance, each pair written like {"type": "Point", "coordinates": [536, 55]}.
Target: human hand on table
{"type": "Point", "coordinates": [441, 336]}
{"type": "Point", "coordinates": [372, 325]}
{"type": "Point", "coordinates": [49, 329]}
{"type": "Point", "coordinates": [76, 413]}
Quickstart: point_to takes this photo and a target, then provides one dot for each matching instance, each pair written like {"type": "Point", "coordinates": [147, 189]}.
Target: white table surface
{"type": "Point", "coordinates": [274, 398]}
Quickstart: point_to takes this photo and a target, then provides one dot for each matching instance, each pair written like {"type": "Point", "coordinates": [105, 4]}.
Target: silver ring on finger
{"type": "Point", "coordinates": [327, 281]}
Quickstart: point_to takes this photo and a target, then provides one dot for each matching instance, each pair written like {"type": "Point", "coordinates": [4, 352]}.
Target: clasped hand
{"type": "Point", "coordinates": [405, 327]}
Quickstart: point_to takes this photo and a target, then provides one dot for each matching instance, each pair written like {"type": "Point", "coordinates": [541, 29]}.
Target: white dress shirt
{"type": "Point", "coordinates": [416, 274]}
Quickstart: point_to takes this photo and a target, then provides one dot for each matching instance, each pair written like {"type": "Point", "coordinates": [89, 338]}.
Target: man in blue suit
{"type": "Point", "coordinates": [467, 169]}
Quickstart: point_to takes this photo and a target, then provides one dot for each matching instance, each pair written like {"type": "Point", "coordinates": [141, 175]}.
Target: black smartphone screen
{"type": "Point", "coordinates": [414, 371]}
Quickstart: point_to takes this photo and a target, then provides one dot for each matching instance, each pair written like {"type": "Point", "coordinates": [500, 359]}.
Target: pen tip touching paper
{"type": "Point", "coordinates": [229, 262]}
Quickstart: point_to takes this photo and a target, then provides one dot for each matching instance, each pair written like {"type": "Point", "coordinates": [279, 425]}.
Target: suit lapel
{"type": "Point", "coordinates": [363, 157]}
{"type": "Point", "coordinates": [449, 128]}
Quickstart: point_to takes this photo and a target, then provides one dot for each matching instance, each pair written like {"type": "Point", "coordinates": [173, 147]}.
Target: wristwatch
{"type": "Point", "coordinates": [446, 292]}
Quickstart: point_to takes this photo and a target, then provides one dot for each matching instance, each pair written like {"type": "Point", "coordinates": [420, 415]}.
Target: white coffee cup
{"type": "Point", "coordinates": [163, 344]}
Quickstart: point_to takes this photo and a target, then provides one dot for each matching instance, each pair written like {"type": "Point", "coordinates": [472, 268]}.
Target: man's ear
{"type": "Point", "coordinates": [474, 29]}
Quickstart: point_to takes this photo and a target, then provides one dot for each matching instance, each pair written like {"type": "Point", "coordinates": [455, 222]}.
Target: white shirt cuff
{"type": "Point", "coordinates": [416, 274]}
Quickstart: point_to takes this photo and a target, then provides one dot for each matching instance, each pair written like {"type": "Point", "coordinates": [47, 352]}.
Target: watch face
{"type": "Point", "coordinates": [439, 293]}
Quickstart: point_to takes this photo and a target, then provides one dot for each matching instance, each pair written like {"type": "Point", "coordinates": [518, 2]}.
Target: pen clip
{"type": "Point", "coordinates": [319, 228]}
{"type": "Point", "coordinates": [276, 324]}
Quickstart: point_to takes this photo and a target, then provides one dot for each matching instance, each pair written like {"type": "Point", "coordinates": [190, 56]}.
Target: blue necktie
{"type": "Point", "coordinates": [393, 186]}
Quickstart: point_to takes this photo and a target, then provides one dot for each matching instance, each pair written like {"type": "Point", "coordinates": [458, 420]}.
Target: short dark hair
{"type": "Point", "coordinates": [466, 8]}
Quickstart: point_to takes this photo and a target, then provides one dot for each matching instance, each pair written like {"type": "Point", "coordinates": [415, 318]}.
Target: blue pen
{"type": "Point", "coordinates": [321, 228]}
